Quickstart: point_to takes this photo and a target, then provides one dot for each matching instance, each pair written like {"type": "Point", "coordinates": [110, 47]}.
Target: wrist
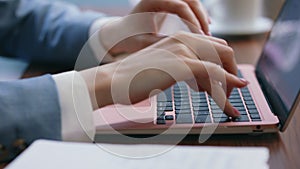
{"type": "Point", "coordinates": [98, 81]}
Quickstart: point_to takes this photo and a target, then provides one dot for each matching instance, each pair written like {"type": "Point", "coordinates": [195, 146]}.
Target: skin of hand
{"type": "Point", "coordinates": [191, 12]}
{"type": "Point", "coordinates": [162, 64]}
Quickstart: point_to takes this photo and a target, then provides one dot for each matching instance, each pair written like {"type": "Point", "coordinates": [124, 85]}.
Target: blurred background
{"type": "Point", "coordinates": [122, 7]}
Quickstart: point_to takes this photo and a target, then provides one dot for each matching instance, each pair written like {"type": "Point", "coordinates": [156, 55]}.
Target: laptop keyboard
{"type": "Point", "coordinates": [198, 107]}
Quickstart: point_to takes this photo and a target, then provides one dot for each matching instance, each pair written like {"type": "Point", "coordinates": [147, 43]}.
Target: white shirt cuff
{"type": "Point", "coordinates": [94, 41]}
{"type": "Point", "coordinates": [76, 108]}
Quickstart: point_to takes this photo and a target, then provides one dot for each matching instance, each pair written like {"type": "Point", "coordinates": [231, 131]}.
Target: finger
{"type": "Point", "coordinates": [176, 47]}
{"type": "Point", "coordinates": [219, 96]}
{"type": "Point", "coordinates": [208, 77]}
{"type": "Point", "coordinates": [138, 42]}
{"type": "Point", "coordinates": [227, 80]}
{"type": "Point", "coordinates": [210, 49]}
{"type": "Point", "coordinates": [177, 7]}
{"type": "Point", "coordinates": [200, 13]}
{"type": "Point", "coordinates": [232, 82]}
{"type": "Point", "coordinates": [226, 55]}
{"type": "Point", "coordinates": [214, 39]}
{"type": "Point", "coordinates": [207, 71]}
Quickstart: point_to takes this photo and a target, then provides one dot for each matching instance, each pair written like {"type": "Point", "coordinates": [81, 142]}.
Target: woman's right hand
{"type": "Point", "coordinates": [205, 63]}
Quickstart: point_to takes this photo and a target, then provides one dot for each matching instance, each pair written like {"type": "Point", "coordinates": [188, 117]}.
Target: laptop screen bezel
{"type": "Point", "coordinates": [275, 102]}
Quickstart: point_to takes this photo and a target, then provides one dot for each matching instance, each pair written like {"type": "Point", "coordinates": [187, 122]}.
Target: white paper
{"type": "Point", "coordinates": [11, 69]}
{"type": "Point", "coordinates": [44, 154]}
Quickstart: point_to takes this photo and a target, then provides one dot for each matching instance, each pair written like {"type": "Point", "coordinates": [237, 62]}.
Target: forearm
{"type": "Point", "coordinates": [45, 31]}
{"type": "Point", "coordinates": [29, 110]}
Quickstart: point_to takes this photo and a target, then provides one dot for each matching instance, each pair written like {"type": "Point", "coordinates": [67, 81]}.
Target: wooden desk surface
{"type": "Point", "coordinates": [284, 147]}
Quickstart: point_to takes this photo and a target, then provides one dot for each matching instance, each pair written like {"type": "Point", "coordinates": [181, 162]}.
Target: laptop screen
{"type": "Point", "coordinates": [278, 69]}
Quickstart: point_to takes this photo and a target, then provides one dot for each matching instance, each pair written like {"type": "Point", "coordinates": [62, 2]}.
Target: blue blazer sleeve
{"type": "Point", "coordinates": [29, 110]}
{"type": "Point", "coordinates": [44, 31]}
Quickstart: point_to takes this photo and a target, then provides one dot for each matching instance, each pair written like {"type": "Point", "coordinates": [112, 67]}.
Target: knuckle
{"type": "Point", "coordinates": [180, 34]}
{"type": "Point", "coordinates": [180, 46]}
{"type": "Point", "coordinates": [182, 6]}
{"type": "Point", "coordinates": [223, 41]}
{"type": "Point", "coordinates": [229, 52]}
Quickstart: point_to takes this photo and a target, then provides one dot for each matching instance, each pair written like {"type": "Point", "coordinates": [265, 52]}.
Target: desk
{"type": "Point", "coordinates": [284, 147]}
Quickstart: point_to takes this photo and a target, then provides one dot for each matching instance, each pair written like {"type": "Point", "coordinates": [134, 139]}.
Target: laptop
{"type": "Point", "coordinates": [266, 105]}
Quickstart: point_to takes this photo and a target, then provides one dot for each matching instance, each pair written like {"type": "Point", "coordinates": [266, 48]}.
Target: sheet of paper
{"type": "Point", "coordinates": [61, 155]}
{"type": "Point", "coordinates": [11, 69]}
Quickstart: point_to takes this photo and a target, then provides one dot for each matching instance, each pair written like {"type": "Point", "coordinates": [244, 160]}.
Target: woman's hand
{"type": "Point", "coordinates": [191, 11]}
{"type": "Point", "coordinates": [139, 29]}
{"type": "Point", "coordinates": [204, 62]}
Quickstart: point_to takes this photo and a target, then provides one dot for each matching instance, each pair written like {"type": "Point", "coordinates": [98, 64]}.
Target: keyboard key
{"type": "Point", "coordinates": [165, 96]}
{"type": "Point", "coordinates": [184, 118]}
{"type": "Point", "coordinates": [179, 96]}
{"type": "Point", "coordinates": [198, 97]}
{"type": "Point", "coordinates": [234, 97]}
{"type": "Point", "coordinates": [213, 104]}
{"type": "Point", "coordinates": [242, 118]}
{"type": "Point", "coordinates": [240, 74]}
{"type": "Point", "coordinates": [169, 117]}
{"type": "Point", "coordinates": [235, 101]}
{"type": "Point", "coordinates": [200, 105]}
{"type": "Point", "coordinates": [160, 120]}
{"type": "Point", "coordinates": [193, 93]}
{"type": "Point", "coordinates": [199, 100]}
{"type": "Point", "coordinates": [254, 116]}
{"type": "Point", "coordinates": [168, 108]}
{"type": "Point", "coordinates": [217, 111]}
{"type": "Point", "coordinates": [196, 113]}
{"type": "Point", "coordinates": [249, 102]}
{"type": "Point", "coordinates": [241, 108]}
{"type": "Point", "coordinates": [251, 106]}
{"type": "Point", "coordinates": [214, 107]}
{"type": "Point", "coordinates": [164, 108]}
{"type": "Point", "coordinates": [221, 120]}
{"type": "Point", "coordinates": [253, 111]}
{"type": "Point", "coordinates": [161, 117]}
{"type": "Point", "coordinates": [161, 113]}
{"type": "Point", "coordinates": [220, 116]}
{"type": "Point", "coordinates": [182, 107]}
{"type": "Point", "coordinates": [256, 119]}
{"type": "Point", "coordinates": [187, 111]}
{"type": "Point", "coordinates": [243, 112]}
{"type": "Point", "coordinates": [181, 103]}
{"type": "Point", "coordinates": [164, 104]}
{"type": "Point", "coordinates": [248, 98]}
{"type": "Point", "coordinates": [237, 104]}
{"type": "Point", "coordinates": [246, 94]}
{"type": "Point", "coordinates": [245, 90]}
{"type": "Point", "coordinates": [235, 93]}
{"type": "Point", "coordinates": [202, 119]}
{"type": "Point", "coordinates": [181, 99]}
{"type": "Point", "coordinates": [200, 109]}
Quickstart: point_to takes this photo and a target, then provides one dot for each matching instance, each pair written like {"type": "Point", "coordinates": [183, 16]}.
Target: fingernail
{"type": "Point", "coordinates": [209, 33]}
{"type": "Point", "coordinates": [236, 112]}
{"type": "Point", "coordinates": [246, 82]}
